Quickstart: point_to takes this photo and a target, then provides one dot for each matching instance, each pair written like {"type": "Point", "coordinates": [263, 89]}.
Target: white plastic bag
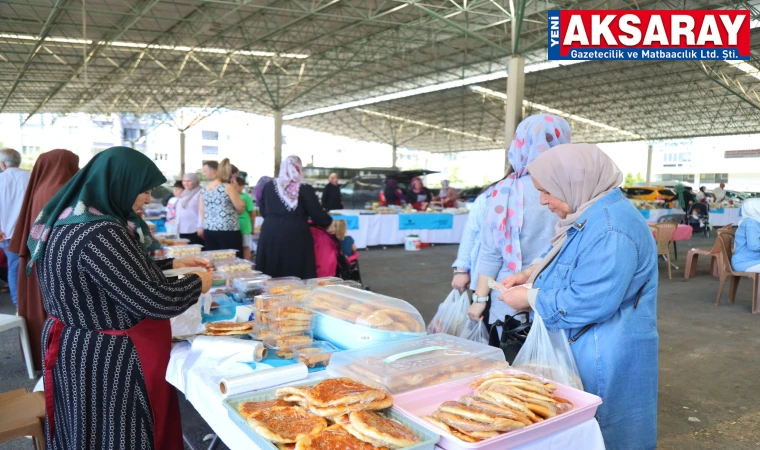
{"type": "Point", "coordinates": [476, 331]}
{"type": "Point", "coordinates": [546, 353]}
{"type": "Point", "coordinates": [452, 314]}
{"type": "Point", "coordinates": [189, 322]}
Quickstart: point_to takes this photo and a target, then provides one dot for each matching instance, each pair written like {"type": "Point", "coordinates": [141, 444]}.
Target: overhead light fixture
{"type": "Point", "coordinates": [503, 96]}
{"type": "Point", "coordinates": [425, 124]}
{"type": "Point", "coordinates": [171, 48]}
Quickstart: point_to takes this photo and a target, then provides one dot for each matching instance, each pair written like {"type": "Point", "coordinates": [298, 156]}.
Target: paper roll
{"type": "Point", "coordinates": [262, 379]}
{"type": "Point", "coordinates": [226, 349]}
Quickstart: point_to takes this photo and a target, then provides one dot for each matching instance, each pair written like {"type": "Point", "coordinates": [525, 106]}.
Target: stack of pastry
{"type": "Point", "coordinates": [501, 402]}
{"type": "Point", "coordinates": [227, 328]}
{"type": "Point", "coordinates": [337, 413]}
{"type": "Point", "coordinates": [282, 343]}
{"type": "Point", "coordinates": [286, 318]}
{"type": "Point", "coordinates": [365, 313]}
{"type": "Point", "coordinates": [263, 305]}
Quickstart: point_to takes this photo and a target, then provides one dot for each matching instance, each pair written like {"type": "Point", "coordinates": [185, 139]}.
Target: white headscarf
{"type": "Point", "coordinates": [288, 183]}
{"type": "Point", "coordinates": [750, 209]}
{"type": "Point", "coordinates": [577, 174]}
{"type": "Point", "coordinates": [195, 187]}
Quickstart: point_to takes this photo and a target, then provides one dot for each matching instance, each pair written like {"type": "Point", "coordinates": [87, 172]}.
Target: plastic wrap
{"type": "Point", "coordinates": [475, 331]}
{"type": "Point", "coordinates": [547, 353]}
{"type": "Point", "coordinates": [418, 362]}
{"type": "Point", "coordinates": [183, 250]}
{"type": "Point", "coordinates": [262, 379]}
{"type": "Point", "coordinates": [451, 316]}
{"type": "Point", "coordinates": [314, 354]}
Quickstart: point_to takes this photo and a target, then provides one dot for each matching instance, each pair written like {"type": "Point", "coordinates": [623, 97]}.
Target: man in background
{"type": "Point", "coordinates": [209, 170]}
{"type": "Point", "coordinates": [331, 195]}
{"type": "Point", "coordinates": [719, 193]}
{"type": "Point", "coordinates": [13, 182]}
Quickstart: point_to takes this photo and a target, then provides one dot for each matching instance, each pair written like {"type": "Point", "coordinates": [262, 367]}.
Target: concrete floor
{"type": "Point", "coordinates": [709, 356]}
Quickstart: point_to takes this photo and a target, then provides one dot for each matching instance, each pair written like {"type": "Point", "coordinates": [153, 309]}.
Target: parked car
{"type": "Point", "coordinates": [651, 193]}
{"type": "Point", "coordinates": [366, 189]}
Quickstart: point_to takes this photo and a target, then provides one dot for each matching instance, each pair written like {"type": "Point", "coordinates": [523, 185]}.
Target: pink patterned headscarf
{"type": "Point", "coordinates": [288, 183]}
{"type": "Point", "coordinates": [505, 204]}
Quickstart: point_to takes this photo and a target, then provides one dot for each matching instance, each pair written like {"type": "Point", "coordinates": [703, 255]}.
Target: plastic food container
{"type": "Point", "coordinates": [165, 235]}
{"type": "Point", "coordinates": [425, 401]}
{"type": "Point", "coordinates": [315, 354]}
{"type": "Point", "coordinates": [281, 342]}
{"type": "Point", "coordinates": [352, 318]}
{"type": "Point", "coordinates": [427, 438]}
{"type": "Point", "coordinates": [177, 242]}
{"type": "Point", "coordinates": [299, 293]}
{"type": "Point", "coordinates": [233, 265]}
{"type": "Point", "coordinates": [249, 286]}
{"type": "Point", "coordinates": [218, 279]}
{"type": "Point", "coordinates": [183, 250]}
{"type": "Point", "coordinates": [266, 302]}
{"type": "Point", "coordinates": [289, 318]}
{"type": "Point", "coordinates": [325, 281]}
{"type": "Point", "coordinates": [281, 285]}
{"type": "Point", "coordinates": [350, 283]}
{"type": "Point", "coordinates": [214, 255]}
{"type": "Point", "coordinates": [418, 363]}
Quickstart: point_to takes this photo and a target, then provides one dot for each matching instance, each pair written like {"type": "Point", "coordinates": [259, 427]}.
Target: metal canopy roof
{"type": "Point", "coordinates": [149, 56]}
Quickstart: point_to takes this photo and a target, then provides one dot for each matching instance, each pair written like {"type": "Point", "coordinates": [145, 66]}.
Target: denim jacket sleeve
{"type": "Point", "coordinates": [753, 236]}
{"type": "Point", "coordinates": [600, 276]}
{"type": "Point", "coordinates": [471, 234]}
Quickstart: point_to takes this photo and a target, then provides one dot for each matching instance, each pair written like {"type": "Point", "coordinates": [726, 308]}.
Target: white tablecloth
{"type": "Point", "coordinates": [728, 216]}
{"type": "Point", "coordinates": [202, 391]}
{"type": "Point", "coordinates": [382, 229]}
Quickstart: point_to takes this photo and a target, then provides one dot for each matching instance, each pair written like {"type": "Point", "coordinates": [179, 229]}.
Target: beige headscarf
{"type": "Point", "coordinates": [577, 174]}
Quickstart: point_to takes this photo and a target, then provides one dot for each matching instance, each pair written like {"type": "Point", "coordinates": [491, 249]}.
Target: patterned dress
{"type": "Point", "coordinates": [94, 276]}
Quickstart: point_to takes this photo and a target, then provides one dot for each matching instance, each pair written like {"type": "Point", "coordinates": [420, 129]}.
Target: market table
{"type": "Point", "coordinates": [201, 388]}
{"type": "Point", "coordinates": [392, 229]}
{"type": "Point", "coordinates": [682, 233]}
{"type": "Point", "coordinates": [718, 216]}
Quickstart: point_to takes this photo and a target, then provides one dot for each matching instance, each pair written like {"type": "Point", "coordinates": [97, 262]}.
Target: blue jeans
{"type": "Point", "coordinates": [12, 271]}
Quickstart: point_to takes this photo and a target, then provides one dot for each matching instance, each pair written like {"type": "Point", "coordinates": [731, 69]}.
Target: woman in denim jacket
{"type": "Point", "coordinates": [599, 283]}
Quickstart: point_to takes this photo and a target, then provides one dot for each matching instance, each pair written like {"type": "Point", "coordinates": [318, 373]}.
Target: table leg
{"type": "Point", "coordinates": [675, 250]}
{"type": "Point", "coordinates": [188, 443]}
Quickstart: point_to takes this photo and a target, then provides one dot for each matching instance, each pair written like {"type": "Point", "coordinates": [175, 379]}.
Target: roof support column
{"type": "Point", "coordinates": [515, 93]}
{"type": "Point", "coordinates": [650, 151]}
{"type": "Point", "coordinates": [182, 152]}
{"type": "Point", "coordinates": [394, 155]}
{"type": "Point", "coordinates": [277, 141]}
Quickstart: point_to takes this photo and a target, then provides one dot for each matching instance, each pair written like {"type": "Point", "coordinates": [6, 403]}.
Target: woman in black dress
{"type": "Point", "coordinates": [286, 247]}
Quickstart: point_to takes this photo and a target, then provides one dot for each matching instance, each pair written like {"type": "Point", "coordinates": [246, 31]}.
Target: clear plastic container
{"type": "Point", "coordinates": [324, 281]}
{"type": "Point", "coordinates": [166, 235]}
{"type": "Point", "coordinates": [315, 354]}
{"type": "Point", "coordinates": [418, 363]}
{"type": "Point", "coordinates": [183, 250]}
{"type": "Point", "coordinates": [281, 342]}
{"type": "Point", "coordinates": [266, 302]}
{"type": "Point", "coordinates": [233, 265]}
{"type": "Point", "coordinates": [176, 242]}
{"type": "Point", "coordinates": [214, 255]}
{"type": "Point", "coordinates": [281, 285]}
{"type": "Point", "coordinates": [366, 309]}
{"type": "Point", "coordinates": [350, 283]}
{"type": "Point", "coordinates": [289, 318]}
{"type": "Point", "coordinates": [299, 293]}
{"type": "Point", "coordinates": [250, 286]}
{"type": "Point", "coordinates": [218, 279]}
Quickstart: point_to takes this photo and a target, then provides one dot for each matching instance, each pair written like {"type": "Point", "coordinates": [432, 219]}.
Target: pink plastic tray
{"type": "Point", "coordinates": [424, 402]}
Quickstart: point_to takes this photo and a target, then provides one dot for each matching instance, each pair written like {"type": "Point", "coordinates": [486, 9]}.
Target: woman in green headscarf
{"type": "Point", "coordinates": [106, 343]}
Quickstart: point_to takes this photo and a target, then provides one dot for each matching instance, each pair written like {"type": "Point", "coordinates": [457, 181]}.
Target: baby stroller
{"type": "Point", "coordinates": [330, 259]}
{"type": "Point", "coordinates": [700, 223]}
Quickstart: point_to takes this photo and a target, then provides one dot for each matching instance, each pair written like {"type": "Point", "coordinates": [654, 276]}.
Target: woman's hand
{"type": "Point", "coordinates": [206, 280]}
{"type": "Point", "coordinates": [200, 233]}
{"type": "Point", "coordinates": [461, 281]}
{"type": "Point", "coordinates": [518, 278]}
{"type": "Point", "coordinates": [191, 261]}
{"type": "Point", "coordinates": [516, 298]}
{"type": "Point", "coordinates": [476, 311]}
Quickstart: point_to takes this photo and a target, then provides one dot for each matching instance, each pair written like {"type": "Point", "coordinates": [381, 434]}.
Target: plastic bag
{"type": "Point", "coordinates": [189, 322]}
{"type": "Point", "coordinates": [476, 331]}
{"type": "Point", "coordinates": [452, 314]}
{"type": "Point", "coordinates": [546, 353]}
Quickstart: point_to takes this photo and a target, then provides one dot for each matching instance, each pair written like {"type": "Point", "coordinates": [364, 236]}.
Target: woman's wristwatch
{"type": "Point", "coordinates": [476, 299]}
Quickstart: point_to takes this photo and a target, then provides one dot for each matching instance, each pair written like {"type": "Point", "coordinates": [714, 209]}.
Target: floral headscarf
{"type": "Point", "coordinates": [288, 183]}
{"type": "Point", "coordinates": [505, 204]}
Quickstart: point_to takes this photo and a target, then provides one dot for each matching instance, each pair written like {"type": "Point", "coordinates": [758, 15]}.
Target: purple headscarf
{"type": "Point", "coordinates": [505, 204]}
{"type": "Point", "coordinates": [259, 188]}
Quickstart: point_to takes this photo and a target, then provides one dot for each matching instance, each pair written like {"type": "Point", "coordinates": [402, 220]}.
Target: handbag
{"type": "Point", "coordinates": [513, 334]}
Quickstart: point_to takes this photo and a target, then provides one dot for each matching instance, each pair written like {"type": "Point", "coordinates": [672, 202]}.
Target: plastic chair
{"type": "Point", "coordinates": [22, 414]}
{"type": "Point", "coordinates": [726, 241]}
{"type": "Point", "coordinates": [8, 322]}
{"type": "Point", "coordinates": [692, 256]}
{"type": "Point", "coordinates": [664, 236]}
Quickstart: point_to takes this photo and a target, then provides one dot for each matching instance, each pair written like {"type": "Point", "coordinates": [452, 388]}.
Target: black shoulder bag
{"type": "Point", "coordinates": [513, 334]}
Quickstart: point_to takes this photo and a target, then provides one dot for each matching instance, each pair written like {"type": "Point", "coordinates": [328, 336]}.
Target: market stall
{"type": "Point", "coordinates": [370, 230]}
{"type": "Point", "coordinates": [327, 334]}
{"type": "Point", "coordinates": [718, 216]}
